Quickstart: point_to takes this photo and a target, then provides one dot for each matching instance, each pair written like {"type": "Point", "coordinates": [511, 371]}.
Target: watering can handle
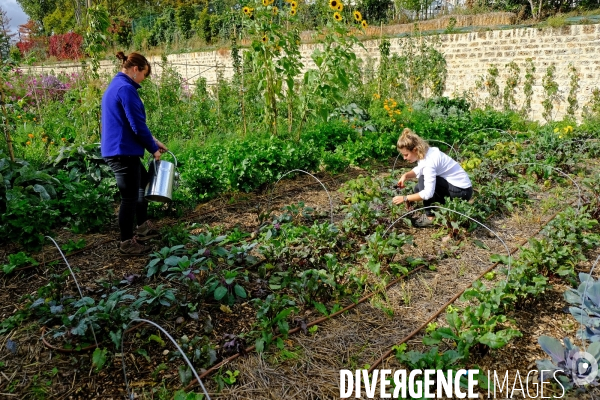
{"type": "Point", "coordinates": [174, 158]}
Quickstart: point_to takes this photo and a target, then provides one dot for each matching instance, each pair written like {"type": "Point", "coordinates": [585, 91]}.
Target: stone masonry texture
{"type": "Point", "coordinates": [468, 57]}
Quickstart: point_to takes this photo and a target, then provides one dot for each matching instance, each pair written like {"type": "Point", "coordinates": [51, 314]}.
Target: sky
{"type": "Point", "coordinates": [15, 14]}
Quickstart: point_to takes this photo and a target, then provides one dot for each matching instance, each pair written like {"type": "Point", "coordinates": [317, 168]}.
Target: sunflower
{"type": "Point", "coordinates": [275, 10]}
{"type": "Point", "coordinates": [337, 16]}
{"type": "Point", "coordinates": [293, 4]}
{"type": "Point", "coordinates": [364, 24]}
{"type": "Point", "coordinates": [293, 11]}
{"type": "Point", "coordinates": [333, 4]}
{"type": "Point", "coordinates": [357, 16]}
{"type": "Point", "coordinates": [246, 10]}
{"type": "Point", "coordinates": [265, 3]}
{"type": "Point", "coordinates": [265, 39]}
{"type": "Point", "coordinates": [340, 7]}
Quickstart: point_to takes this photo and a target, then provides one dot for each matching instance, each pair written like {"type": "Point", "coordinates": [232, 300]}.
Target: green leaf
{"type": "Point", "coordinates": [454, 321]}
{"type": "Point", "coordinates": [185, 374]}
{"type": "Point", "coordinates": [429, 341]}
{"type": "Point", "coordinates": [42, 191]}
{"type": "Point", "coordinates": [180, 395]}
{"type": "Point", "coordinates": [115, 337]}
{"type": "Point", "coordinates": [321, 308]}
{"type": "Point", "coordinates": [480, 244]}
{"type": "Point", "coordinates": [157, 339]}
{"type": "Point", "coordinates": [172, 261]}
{"type": "Point", "coordinates": [239, 291]}
{"type": "Point", "coordinates": [8, 268]}
{"type": "Point", "coordinates": [80, 329]}
{"type": "Point", "coordinates": [259, 345]}
{"type": "Point", "coordinates": [220, 292]}
{"type": "Point", "coordinates": [99, 358]}
{"type": "Point", "coordinates": [499, 339]}
{"type": "Point", "coordinates": [144, 354]}
{"type": "Point", "coordinates": [153, 267]}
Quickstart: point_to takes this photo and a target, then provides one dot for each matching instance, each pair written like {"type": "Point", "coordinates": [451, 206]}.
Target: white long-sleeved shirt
{"type": "Point", "coordinates": [436, 163]}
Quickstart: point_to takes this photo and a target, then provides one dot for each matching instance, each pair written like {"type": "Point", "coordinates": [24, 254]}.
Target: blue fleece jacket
{"type": "Point", "coordinates": [124, 129]}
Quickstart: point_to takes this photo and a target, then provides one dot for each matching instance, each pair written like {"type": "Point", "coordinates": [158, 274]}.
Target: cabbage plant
{"type": "Point", "coordinates": [586, 307]}
{"type": "Point", "coordinates": [569, 365]}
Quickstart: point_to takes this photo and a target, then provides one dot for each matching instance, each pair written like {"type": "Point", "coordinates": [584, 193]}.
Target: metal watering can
{"type": "Point", "coordinates": [161, 181]}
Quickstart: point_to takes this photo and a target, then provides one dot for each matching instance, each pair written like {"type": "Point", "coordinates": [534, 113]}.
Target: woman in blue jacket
{"type": "Point", "coordinates": [125, 137]}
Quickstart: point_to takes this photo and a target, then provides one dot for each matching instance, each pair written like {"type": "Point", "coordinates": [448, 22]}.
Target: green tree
{"type": "Point", "coordinates": [418, 6]}
{"type": "Point", "coordinates": [5, 35]}
{"type": "Point", "coordinates": [184, 16]}
{"type": "Point", "coordinates": [375, 10]}
{"type": "Point", "coordinates": [164, 28]}
{"type": "Point", "coordinates": [62, 19]}
{"type": "Point", "coordinates": [95, 39]}
{"type": "Point", "coordinates": [37, 10]}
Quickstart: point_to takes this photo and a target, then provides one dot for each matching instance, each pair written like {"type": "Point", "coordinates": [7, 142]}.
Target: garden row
{"type": "Point", "coordinates": [306, 263]}
{"type": "Point", "coordinates": [75, 188]}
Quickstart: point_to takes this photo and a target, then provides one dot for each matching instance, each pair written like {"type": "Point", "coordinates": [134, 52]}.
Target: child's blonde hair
{"type": "Point", "coordinates": [409, 140]}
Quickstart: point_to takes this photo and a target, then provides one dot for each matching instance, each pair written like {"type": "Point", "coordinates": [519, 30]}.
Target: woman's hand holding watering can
{"type": "Point", "coordinates": [161, 149]}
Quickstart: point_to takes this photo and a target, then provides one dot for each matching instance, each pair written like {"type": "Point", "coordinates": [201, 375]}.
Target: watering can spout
{"type": "Point", "coordinates": [161, 180]}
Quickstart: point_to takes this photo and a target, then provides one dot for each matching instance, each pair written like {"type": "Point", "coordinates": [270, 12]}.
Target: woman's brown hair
{"type": "Point", "coordinates": [409, 140]}
{"type": "Point", "coordinates": [134, 60]}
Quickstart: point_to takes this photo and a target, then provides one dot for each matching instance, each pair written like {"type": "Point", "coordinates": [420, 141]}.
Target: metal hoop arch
{"type": "Point", "coordinates": [308, 173]}
{"type": "Point", "coordinates": [579, 202]}
{"type": "Point", "coordinates": [487, 129]}
{"type": "Point", "coordinates": [129, 393]}
{"type": "Point", "coordinates": [76, 283]}
{"type": "Point", "coordinates": [459, 213]}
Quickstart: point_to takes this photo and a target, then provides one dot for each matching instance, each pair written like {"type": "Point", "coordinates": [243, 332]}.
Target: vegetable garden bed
{"type": "Point", "coordinates": [306, 364]}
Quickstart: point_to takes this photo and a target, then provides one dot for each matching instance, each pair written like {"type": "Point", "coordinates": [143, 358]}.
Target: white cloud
{"type": "Point", "coordinates": [15, 13]}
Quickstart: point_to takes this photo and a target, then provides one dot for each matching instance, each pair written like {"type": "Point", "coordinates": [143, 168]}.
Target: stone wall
{"type": "Point", "coordinates": [468, 55]}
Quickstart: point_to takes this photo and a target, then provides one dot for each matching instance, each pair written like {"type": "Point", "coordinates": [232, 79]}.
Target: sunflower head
{"type": "Point", "coordinates": [275, 10]}
{"type": "Point", "coordinates": [340, 7]}
{"type": "Point", "coordinates": [294, 4]}
{"type": "Point", "coordinates": [337, 16]}
{"type": "Point", "coordinates": [265, 3]}
{"type": "Point", "coordinates": [246, 10]}
{"type": "Point", "coordinates": [364, 24]}
{"type": "Point", "coordinates": [264, 39]}
{"type": "Point", "coordinates": [293, 11]}
{"type": "Point", "coordinates": [333, 4]}
{"type": "Point", "coordinates": [357, 16]}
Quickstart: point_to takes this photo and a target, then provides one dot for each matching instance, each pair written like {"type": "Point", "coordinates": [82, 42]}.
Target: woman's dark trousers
{"type": "Point", "coordinates": [132, 178]}
{"type": "Point", "coordinates": [443, 190]}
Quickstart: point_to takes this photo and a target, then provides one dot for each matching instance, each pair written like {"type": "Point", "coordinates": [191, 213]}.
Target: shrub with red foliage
{"type": "Point", "coordinates": [25, 46]}
{"type": "Point", "coordinates": [32, 39]}
{"type": "Point", "coordinates": [66, 46]}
